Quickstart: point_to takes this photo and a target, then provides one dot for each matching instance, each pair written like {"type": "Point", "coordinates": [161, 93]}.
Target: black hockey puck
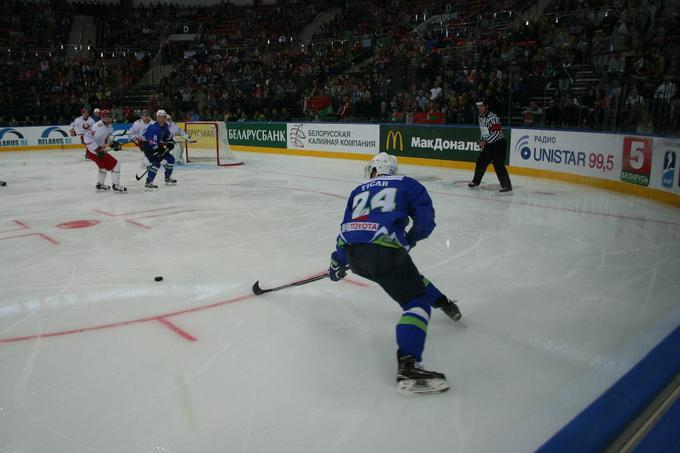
{"type": "Point", "coordinates": [3, 183]}
{"type": "Point", "coordinates": [159, 279]}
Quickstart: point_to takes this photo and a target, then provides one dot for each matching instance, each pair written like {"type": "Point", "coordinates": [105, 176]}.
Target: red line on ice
{"type": "Point", "coordinates": [49, 238]}
{"type": "Point", "coordinates": [155, 318]}
{"type": "Point", "coordinates": [42, 235]}
{"type": "Point", "coordinates": [355, 282]}
{"type": "Point", "coordinates": [22, 224]}
{"type": "Point", "coordinates": [162, 318]}
{"type": "Point", "coordinates": [18, 222]}
{"type": "Point", "coordinates": [138, 224]}
{"type": "Point", "coordinates": [178, 330]}
{"type": "Point", "coordinates": [134, 222]}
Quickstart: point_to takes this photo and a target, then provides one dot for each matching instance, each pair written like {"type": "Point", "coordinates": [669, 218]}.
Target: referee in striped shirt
{"type": "Point", "coordinates": [493, 148]}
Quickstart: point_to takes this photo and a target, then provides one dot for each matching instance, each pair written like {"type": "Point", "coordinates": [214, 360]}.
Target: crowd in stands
{"type": "Point", "coordinates": [602, 64]}
{"type": "Point", "coordinates": [530, 69]}
{"type": "Point", "coordinates": [28, 24]}
{"type": "Point", "coordinates": [43, 80]}
{"type": "Point", "coordinates": [52, 87]}
{"type": "Point", "coordinates": [141, 27]}
{"type": "Point", "coordinates": [240, 69]}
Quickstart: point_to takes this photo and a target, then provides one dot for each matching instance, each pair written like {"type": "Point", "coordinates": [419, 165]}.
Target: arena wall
{"type": "Point", "coordinates": [640, 165]}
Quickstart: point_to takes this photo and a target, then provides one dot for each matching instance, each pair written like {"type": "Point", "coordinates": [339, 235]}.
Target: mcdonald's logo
{"type": "Point", "coordinates": [392, 139]}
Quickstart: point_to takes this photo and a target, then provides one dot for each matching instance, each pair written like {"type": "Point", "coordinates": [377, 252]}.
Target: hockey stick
{"type": "Point", "coordinates": [257, 290]}
{"type": "Point", "coordinates": [138, 177]}
{"type": "Point", "coordinates": [184, 139]}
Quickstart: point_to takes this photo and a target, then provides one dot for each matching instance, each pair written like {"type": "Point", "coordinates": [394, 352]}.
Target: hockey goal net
{"type": "Point", "coordinates": [211, 143]}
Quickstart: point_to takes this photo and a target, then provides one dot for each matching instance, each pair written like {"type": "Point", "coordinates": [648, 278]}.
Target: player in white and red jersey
{"type": "Point", "coordinates": [136, 131]}
{"type": "Point", "coordinates": [178, 152]}
{"type": "Point", "coordinates": [98, 143]}
{"type": "Point", "coordinates": [81, 125]}
{"type": "Point", "coordinates": [136, 134]}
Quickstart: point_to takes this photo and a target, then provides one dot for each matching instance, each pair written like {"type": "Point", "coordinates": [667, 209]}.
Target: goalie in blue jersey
{"type": "Point", "coordinates": [374, 243]}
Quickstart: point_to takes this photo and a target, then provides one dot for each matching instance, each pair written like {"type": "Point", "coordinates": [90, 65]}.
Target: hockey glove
{"type": "Point", "coordinates": [336, 271]}
{"type": "Point", "coordinates": [168, 146]}
{"type": "Point", "coordinates": [160, 152]}
{"type": "Point", "coordinates": [101, 153]}
{"type": "Point", "coordinates": [72, 132]}
{"type": "Point", "coordinates": [115, 146]}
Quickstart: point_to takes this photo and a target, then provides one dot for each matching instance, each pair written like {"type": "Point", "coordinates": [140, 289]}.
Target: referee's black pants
{"type": "Point", "coordinates": [493, 152]}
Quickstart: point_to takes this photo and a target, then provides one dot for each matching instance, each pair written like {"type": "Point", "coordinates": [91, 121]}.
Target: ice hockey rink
{"type": "Point", "coordinates": [563, 288]}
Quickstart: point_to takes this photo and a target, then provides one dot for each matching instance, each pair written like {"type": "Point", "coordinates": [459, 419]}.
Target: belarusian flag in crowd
{"type": "Point", "coordinates": [320, 104]}
{"type": "Point", "coordinates": [429, 117]}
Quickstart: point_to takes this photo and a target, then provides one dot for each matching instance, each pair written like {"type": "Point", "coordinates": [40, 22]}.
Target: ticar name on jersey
{"type": "Point", "coordinates": [377, 183]}
{"type": "Point", "coordinates": [383, 181]}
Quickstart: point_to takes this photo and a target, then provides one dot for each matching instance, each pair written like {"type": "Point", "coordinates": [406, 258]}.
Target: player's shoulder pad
{"type": "Point", "coordinates": [410, 180]}
{"type": "Point", "coordinates": [414, 185]}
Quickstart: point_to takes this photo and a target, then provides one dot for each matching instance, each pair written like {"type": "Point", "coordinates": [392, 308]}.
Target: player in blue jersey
{"type": "Point", "coordinates": [157, 149]}
{"type": "Point", "coordinates": [374, 243]}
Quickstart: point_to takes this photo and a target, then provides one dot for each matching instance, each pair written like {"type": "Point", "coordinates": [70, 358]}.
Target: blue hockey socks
{"type": "Point", "coordinates": [412, 327]}
{"type": "Point", "coordinates": [168, 170]}
{"type": "Point", "coordinates": [432, 293]}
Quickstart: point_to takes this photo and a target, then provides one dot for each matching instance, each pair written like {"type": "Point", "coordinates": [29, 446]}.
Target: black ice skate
{"type": "Point", "coordinates": [170, 182]}
{"type": "Point", "coordinates": [413, 379]}
{"type": "Point", "coordinates": [506, 190]}
{"type": "Point", "coordinates": [150, 186]}
{"type": "Point", "coordinates": [472, 185]}
{"type": "Point", "coordinates": [102, 187]}
{"type": "Point", "coordinates": [119, 188]}
{"type": "Point", "coordinates": [450, 308]}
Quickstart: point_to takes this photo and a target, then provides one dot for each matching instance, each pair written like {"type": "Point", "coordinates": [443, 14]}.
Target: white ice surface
{"type": "Point", "coordinates": [563, 288]}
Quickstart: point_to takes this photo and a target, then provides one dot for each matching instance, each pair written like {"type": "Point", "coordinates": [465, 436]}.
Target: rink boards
{"type": "Point", "coordinates": [640, 165]}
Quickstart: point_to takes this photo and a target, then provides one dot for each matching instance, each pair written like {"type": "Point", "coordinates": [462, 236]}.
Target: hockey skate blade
{"type": "Point", "coordinates": [422, 386]}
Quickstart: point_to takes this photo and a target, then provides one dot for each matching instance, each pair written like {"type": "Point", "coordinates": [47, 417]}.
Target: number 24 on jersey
{"type": "Point", "coordinates": [365, 203]}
